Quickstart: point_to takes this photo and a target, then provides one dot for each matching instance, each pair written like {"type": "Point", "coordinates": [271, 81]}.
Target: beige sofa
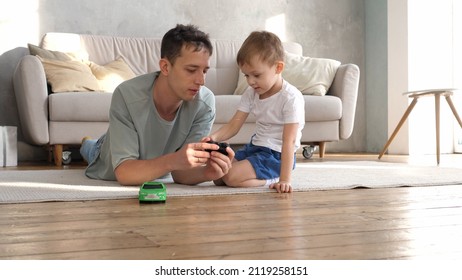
{"type": "Point", "coordinates": [62, 119]}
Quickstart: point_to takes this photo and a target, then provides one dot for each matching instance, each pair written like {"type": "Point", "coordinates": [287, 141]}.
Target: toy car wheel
{"type": "Point", "coordinates": [67, 157]}
{"type": "Point", "coordinates": [308, 152]}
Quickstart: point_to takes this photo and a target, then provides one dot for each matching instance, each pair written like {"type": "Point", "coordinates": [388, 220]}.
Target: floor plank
{"type": "Point", "coordinates": [395, 223]}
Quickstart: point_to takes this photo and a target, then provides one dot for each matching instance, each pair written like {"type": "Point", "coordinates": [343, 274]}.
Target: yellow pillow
{"type": "Point", "coordinates": [48, 54]}
{"type": "Point", "coordinates": [65, 76]}
{"type": "Point", "coordinates": [112, 74]}
{"type": "Point", "coordinates": [309, 75]}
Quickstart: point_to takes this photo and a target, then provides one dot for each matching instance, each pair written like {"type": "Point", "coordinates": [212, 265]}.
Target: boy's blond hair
{"type": "Point", "coordinates": [266, 45]}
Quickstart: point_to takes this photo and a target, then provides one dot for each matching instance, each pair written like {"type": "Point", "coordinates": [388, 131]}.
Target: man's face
{"type": "Point", "coordinates": [187, 74]}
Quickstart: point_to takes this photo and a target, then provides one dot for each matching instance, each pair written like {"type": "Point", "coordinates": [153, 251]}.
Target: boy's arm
{"type": "Point", "coordinates": [231, 128]}
{"type": "Point", "coordinates": [287, 158]}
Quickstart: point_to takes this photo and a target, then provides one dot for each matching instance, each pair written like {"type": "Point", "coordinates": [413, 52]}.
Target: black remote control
{"type": "Point", "coordinates": [222, 146]}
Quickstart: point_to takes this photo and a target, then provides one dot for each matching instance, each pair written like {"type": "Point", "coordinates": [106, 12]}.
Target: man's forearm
{"type": "Point", "coordinates": [135, 172]}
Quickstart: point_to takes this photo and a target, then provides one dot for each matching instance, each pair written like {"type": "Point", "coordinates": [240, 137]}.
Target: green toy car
{"type": "Point", "coordinates": [152, 192]}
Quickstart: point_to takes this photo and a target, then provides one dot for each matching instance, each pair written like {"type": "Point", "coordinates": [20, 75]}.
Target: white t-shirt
{"type": "Point", "coordinates": [286, 106]}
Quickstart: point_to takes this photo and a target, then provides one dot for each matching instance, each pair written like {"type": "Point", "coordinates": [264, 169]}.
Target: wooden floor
{"type": "Point", "coordinates": [396, 223]}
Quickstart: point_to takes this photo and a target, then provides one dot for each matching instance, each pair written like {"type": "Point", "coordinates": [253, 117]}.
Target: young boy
{"type": "Point", "coordinates": [279, 109]}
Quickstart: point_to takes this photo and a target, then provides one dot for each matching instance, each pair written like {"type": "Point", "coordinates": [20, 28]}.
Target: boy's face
{"type": "Point", "coordinates": [262, 77]}
{"type": "Point", "coordinates": [187, 74]}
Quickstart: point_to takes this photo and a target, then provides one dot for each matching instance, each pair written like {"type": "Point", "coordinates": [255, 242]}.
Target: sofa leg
{"type": "Point", "coordinates": [322, 149]}
{"type": "Point", "coordinates": [58, 154]}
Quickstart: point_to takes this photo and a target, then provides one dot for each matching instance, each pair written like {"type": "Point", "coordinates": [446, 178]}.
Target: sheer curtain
{"type": "Point", "coordinates": [457, 69]}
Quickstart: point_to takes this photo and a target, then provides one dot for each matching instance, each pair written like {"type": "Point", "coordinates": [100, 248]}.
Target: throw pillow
{"type": "Point", "coordinates": [112, 74]}
{"type": "Point", "coordinates": [66, 76]}
{"type": "Point", "coordinates": [311, 76]}
{"type": "Point", "coordinates": [48, 54]}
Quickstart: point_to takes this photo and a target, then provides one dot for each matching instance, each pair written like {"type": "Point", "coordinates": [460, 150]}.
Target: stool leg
{"type": "Point", "coordinates": [437, 122]}
{"type": "Point", "coordinates": [453, 109]}
{"type": "Point", "coordinates": [398, 127]}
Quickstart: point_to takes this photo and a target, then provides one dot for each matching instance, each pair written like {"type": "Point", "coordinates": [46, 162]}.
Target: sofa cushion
{"type": "Point", "coordinates": [63, 56]}
{"type": "Point", "coordinates": [223, 73]}
{"type": "Point", "coordinates": [322, 108]}
{"type": "Point", "coordinates": [111, 74]}
{"type": "Point", "coordinates": [310, 75]}
{"type": "Point", "coordinates": [65, 76]}
{"type": "Point", "coordinates": [225, 106]}
{"type": "Point", "coordinates": [141, 54]}
{"type": "Point", "coordinates": [317, 108]}
{"type": "Point", "coordinates": [79, 107]}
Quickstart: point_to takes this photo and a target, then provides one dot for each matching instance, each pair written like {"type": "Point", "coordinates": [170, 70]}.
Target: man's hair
{"type": "Point", "coordinates": [183, 35]}
{"type": "Point", "coordinates": [266, 45]}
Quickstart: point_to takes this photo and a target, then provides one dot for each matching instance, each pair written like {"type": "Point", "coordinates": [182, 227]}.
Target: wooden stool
{"type": "Point", "coordinates": [416, 95]}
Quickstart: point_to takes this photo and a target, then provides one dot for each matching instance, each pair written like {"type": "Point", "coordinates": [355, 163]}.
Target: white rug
{"type": "Point", "coordinates": [71, 185]}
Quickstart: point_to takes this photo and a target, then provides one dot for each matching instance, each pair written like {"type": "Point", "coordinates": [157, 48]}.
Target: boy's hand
{"type": "Point", "coordinates": [206, 139]}
{"type": "Point", "coordinates": [282, 187]}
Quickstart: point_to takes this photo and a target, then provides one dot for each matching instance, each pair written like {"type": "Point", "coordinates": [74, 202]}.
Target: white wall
{"type": "Point", "coordinates": [328, 28]}
{"type": "Point", "coordinates": [19, 23]}
{"type": "Point", "coordinates": [376, 74]}
{"type": "Point", "coordinates": [397, 72]}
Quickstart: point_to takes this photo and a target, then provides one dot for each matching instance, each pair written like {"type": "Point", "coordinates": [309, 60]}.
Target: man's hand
{"type": "Point", "coordinates": [193, 155]}
{"type": "Point", "coordinates": [219, 164]}
{"type": "Point", "coordinates": [188, 158]}
{"type": "Point", "coordinates": [193, 165]}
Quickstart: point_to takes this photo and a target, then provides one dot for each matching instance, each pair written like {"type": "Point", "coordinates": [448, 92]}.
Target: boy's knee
{"type": "Point", "coordinates": [229, 180]}
{"type": "Point", "coordinates": [226, 179]}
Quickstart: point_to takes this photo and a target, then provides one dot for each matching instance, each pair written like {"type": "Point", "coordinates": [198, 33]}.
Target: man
{"type": "Point", "coordinates": [156, 120]}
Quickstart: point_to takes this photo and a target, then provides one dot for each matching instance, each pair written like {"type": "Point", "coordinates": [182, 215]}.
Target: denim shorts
{"type": "Point", "coordinates": [265, 162]}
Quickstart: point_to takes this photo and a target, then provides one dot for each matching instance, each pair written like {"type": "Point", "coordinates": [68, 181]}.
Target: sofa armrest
{"type": "Point", "coordinates": [31, 92]}
{"type": "Point", "coordinates": [345, 86]}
